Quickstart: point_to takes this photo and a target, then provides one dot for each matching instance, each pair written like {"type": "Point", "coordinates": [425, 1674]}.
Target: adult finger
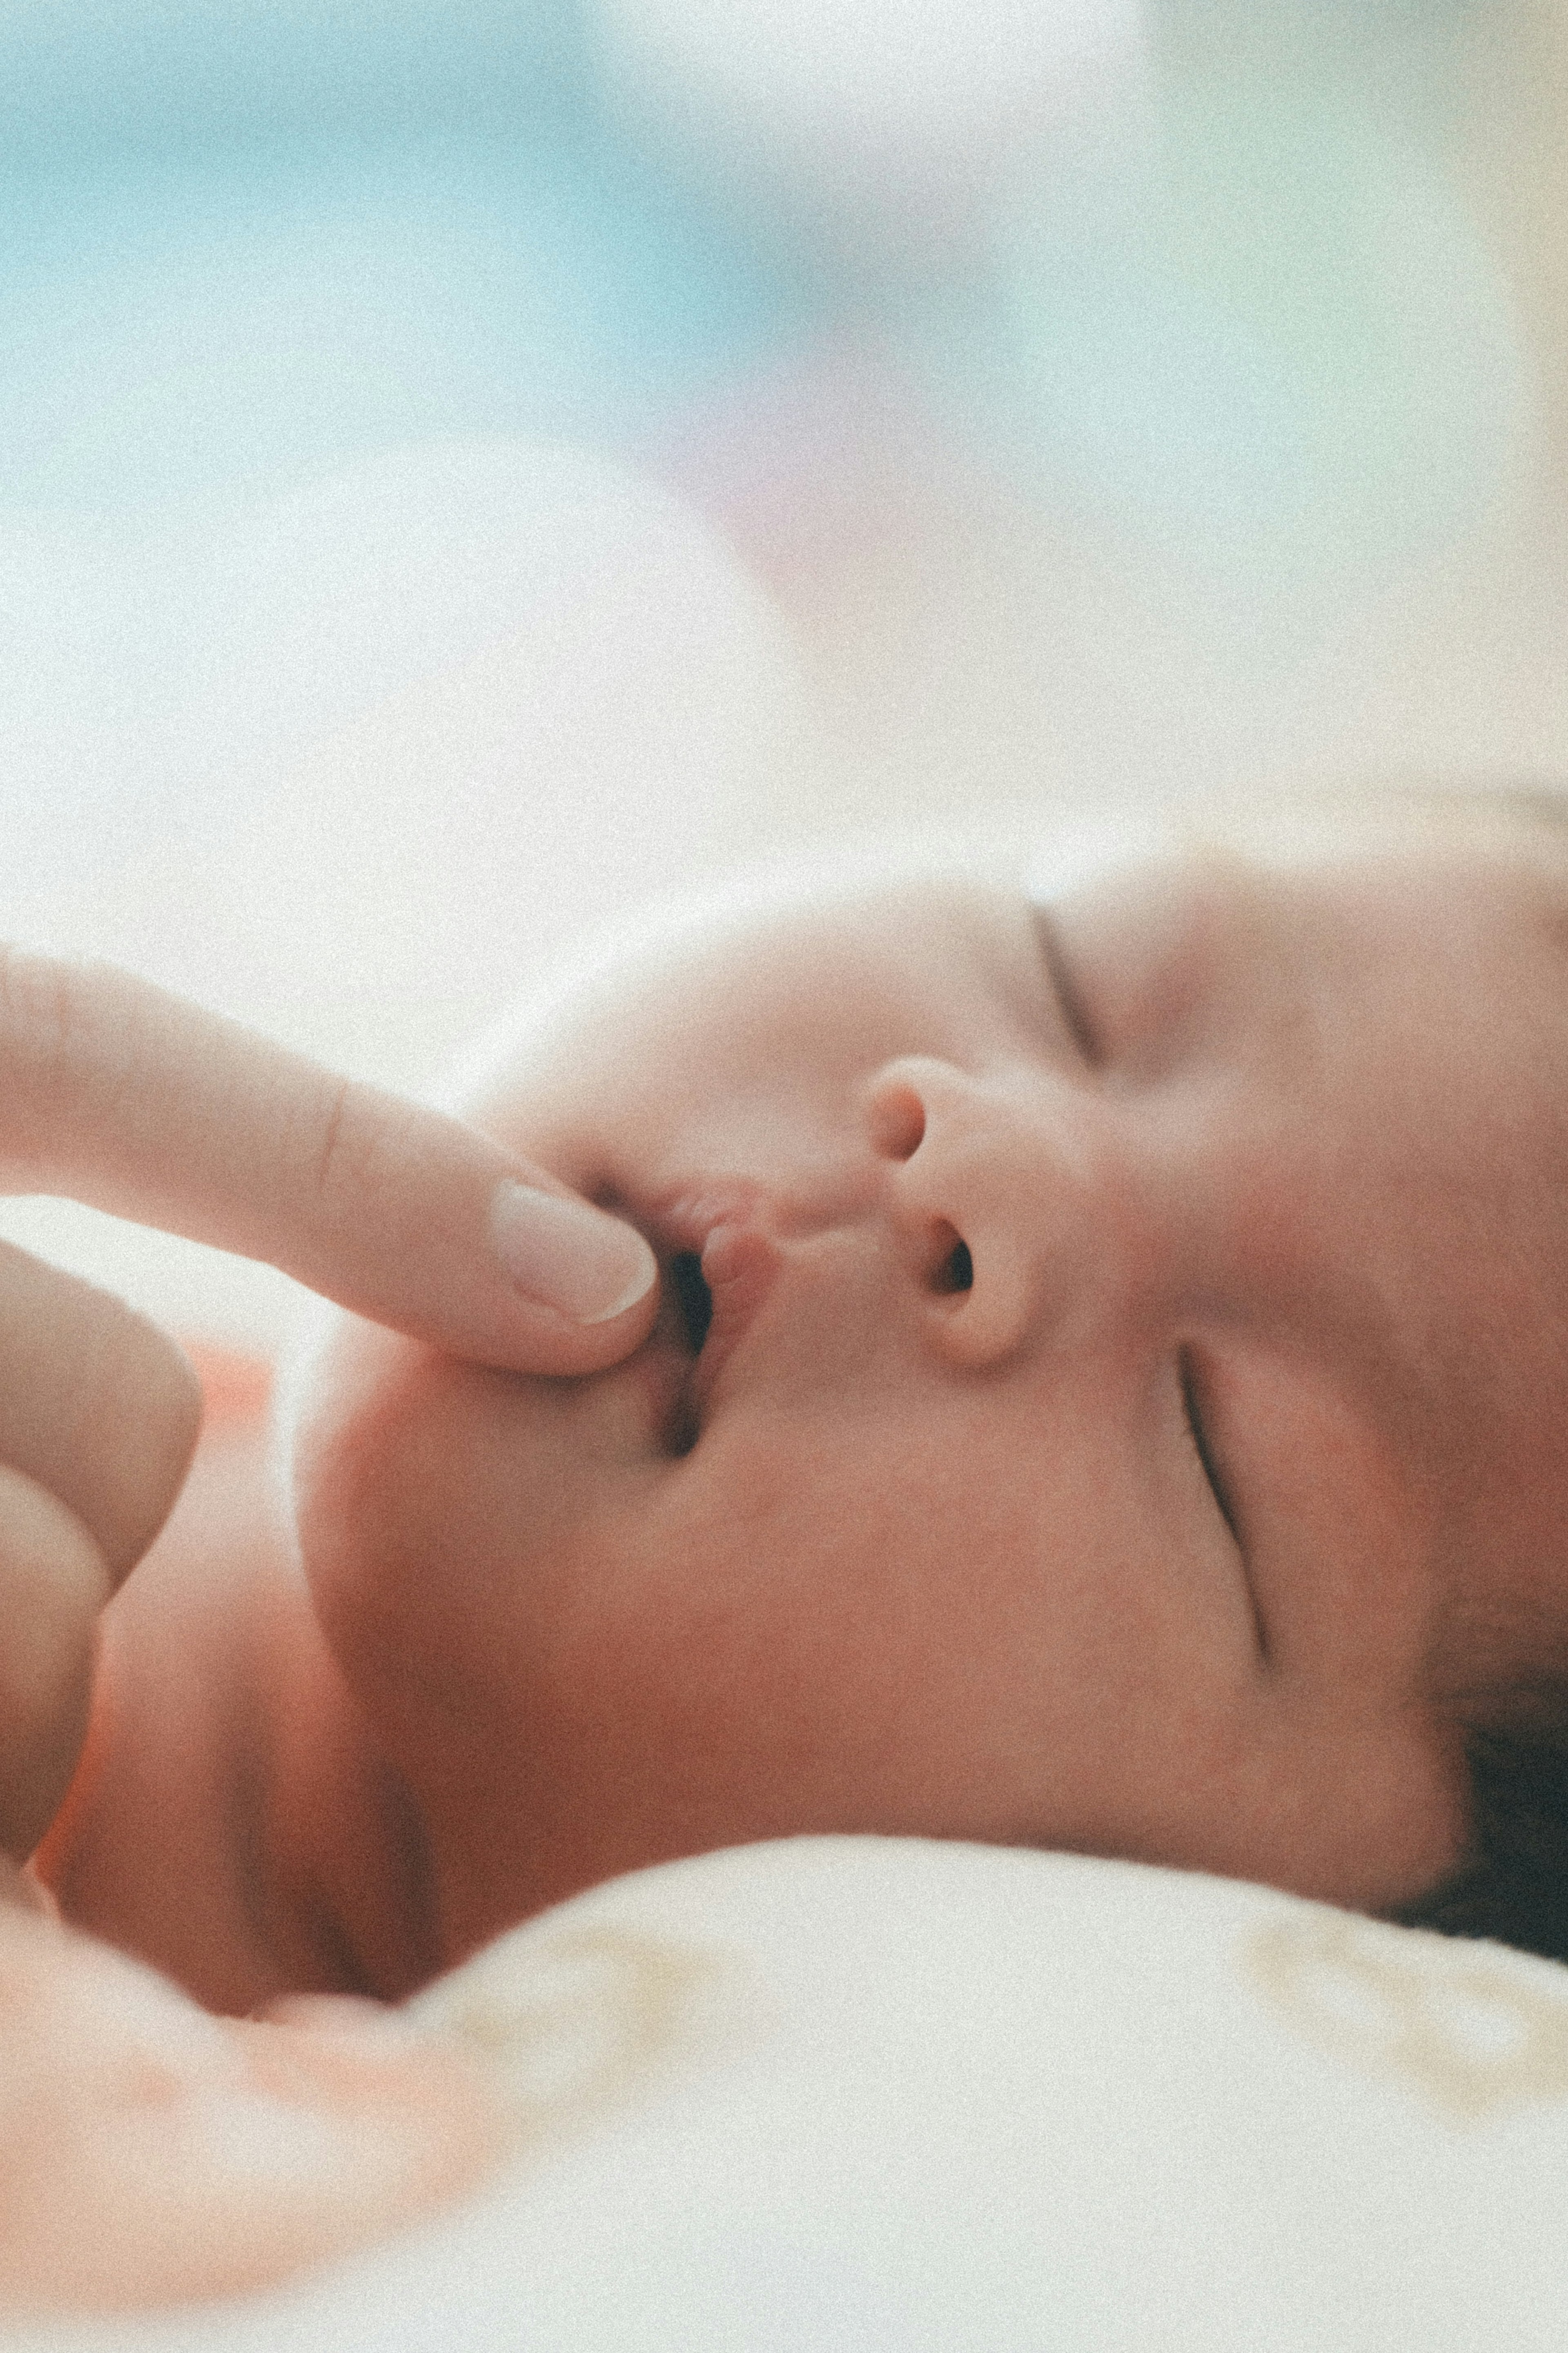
{"type": "Point", "coordinates": [98, 1416]}
{"type": "Point", "coordinates": [96, 1406]}
{"type": "Point", "coordinates": [115, 1093]}
{"type": "Point", "coordinates": [53, 1584]}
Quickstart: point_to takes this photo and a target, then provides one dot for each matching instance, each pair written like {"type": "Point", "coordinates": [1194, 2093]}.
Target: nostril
{"type": "Point", "coordinates": [898, 1122]}
{"type": "Point", "coordinates": [955, 1269]}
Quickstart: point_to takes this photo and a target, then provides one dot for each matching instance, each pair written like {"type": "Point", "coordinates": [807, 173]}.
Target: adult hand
{"type": "Point", "coordinates": [116, 1093]}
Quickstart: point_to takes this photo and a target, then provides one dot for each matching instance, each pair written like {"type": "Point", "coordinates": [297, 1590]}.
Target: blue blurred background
{"type": "Point", "coordinates": [467, 470]}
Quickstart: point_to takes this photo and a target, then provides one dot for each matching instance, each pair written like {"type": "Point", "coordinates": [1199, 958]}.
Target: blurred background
{"type": "Point", "coordinates": [469, 469]}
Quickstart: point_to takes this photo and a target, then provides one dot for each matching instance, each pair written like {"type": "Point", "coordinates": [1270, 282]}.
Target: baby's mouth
{"type": "Point", "coordinates": [693, 1299]}
{"type": "Point", "coordinates": [717, 1266]}
{"type": "Point", "coordinates": [693, 1302]}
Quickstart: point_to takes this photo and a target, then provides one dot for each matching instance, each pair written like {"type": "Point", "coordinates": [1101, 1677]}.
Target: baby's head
{"type": "Point", "coordinates": [1110, 1389]}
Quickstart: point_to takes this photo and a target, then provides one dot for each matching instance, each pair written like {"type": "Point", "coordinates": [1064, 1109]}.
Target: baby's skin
{"type": "Point", "coordinates": [1105, 1394]}
{"type": "Point", "coordinates": [151, 2152]}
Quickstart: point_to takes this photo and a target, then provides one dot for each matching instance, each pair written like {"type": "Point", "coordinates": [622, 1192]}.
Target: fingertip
{"type": "Point", "coordinates": [625, 1327]}
{"type": "Point", "coordinates": [563, 1347]}
{"type": "Point", "coordinates": [641, 1283]}
{"type": "Point", "coordinates": [560, 1253]}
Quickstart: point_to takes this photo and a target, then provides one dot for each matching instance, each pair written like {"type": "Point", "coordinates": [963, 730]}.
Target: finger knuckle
{"type": "Point", "coordinates": [52, 1584]}
{"type": "Point", "coordinates": [163, 1408]}
{"type": "Point", "coordinates": [344, 1147]}
{"type": "Point", "coordinates": [96, 1402]}
{"type": "Point", "coordinates": [145, 1408]}
{"type": "Point", "coordinates": [45, 1014]}
{"type": "Point", "coordinates": [54, 1581]}
{"type": "Point", "coordinates": [38, 1000]}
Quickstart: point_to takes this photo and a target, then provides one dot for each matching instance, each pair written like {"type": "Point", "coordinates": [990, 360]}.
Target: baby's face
{"type": "Point", "coordinates": [1129, 1409]}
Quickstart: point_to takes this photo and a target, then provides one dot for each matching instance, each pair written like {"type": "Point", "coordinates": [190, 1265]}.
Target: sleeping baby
{"type": "Point", "coordinates": [1104, 1392]}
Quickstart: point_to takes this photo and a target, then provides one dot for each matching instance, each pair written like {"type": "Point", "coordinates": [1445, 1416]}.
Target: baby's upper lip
{"type": "Point", "coordinates": [724, 1222]}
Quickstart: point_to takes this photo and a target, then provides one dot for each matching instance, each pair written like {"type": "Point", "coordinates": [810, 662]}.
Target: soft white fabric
{"type": "Point", "coordinates": [845, 2095]}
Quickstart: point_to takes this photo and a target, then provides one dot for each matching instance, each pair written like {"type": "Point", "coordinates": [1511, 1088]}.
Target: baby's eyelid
{"type": "Point", "coordinates": [1196, 1417]}
{"type": "Point", "coordinates": [1069, 1002]}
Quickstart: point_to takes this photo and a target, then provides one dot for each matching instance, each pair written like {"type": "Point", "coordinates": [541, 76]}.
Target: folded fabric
{"type": "Point", "coordinates": [910, 2098]}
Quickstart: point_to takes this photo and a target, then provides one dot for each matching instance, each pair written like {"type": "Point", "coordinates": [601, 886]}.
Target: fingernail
{"type": "Point", "coordinates": [569, 1256]}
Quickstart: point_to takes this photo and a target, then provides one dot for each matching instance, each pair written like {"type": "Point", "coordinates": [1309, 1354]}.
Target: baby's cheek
{"type": "Point", "coordinates": [364, 1471]}
{"type": "Point", "coordinates": [425, 1526]}
{"type": "Point", "coordinates": [435, 1502]}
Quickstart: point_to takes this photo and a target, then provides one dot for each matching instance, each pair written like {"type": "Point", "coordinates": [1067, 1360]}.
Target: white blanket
{"type": "Point", "coordinates": [852, 2095]}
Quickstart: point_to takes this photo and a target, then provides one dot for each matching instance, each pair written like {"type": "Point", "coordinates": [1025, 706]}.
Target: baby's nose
{"type": "Point", "coordinates": [995, 1196]}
